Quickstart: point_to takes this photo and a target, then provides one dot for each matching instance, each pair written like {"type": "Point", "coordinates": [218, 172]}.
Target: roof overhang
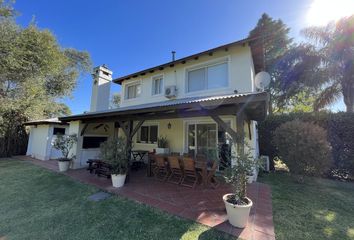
{"type": "Point", "coordinates": [181, 61]}
{"type": "Point", "coordinates": [45, 122]}
{"type": "Point", "coordinates": [254, 105]}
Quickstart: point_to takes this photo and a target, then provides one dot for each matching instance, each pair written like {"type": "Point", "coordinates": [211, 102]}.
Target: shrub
{"type": "Point", "coordinates": [267, 128]}
{"type": "Point", "coordinates": [114, 151]}
{"type": "Point", "coordinates": [341, 137]}
{"type": "Point", "coordinates": [303, 147]}
{"type": "Point", "coordinates": [64, 144]}
{"type": "Point", "coordinates": [340, 132]}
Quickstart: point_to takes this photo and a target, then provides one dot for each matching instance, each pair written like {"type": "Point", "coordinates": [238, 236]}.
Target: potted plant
{"type": "Point", "coordinates": [114, 151]}
{"type": "Point", "coordinates": [250, 177]}
{"type": "Point", "coordinates": [64, 143]}
{"type": "Point", "coordinates": [237, 204]}
{"type": "Point", "coordinates": [162, 146]}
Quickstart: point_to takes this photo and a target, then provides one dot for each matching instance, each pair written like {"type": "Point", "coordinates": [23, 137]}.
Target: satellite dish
{"type": "Point", "coordinates": [262, 80]}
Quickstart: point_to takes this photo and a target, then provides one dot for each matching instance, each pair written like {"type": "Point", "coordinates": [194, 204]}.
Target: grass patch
{"type": "Point", "coordinates": [318, 209]}
{"type": "Point", "coordinates": [38, 204]}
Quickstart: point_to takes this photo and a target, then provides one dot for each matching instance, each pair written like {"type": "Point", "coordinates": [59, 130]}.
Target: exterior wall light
{"type": "Point", "coordinates": [169, 125]}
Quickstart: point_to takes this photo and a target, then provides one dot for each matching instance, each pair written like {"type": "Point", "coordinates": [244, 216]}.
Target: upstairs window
{"type": "Point", "coordinates": [148, 134]}
{"type": "Point", "coordinates": [157, 85]}
{"type": "Point", "coordinates": [132, 91]}
{"type": "Point", "coordinates": [208, 77]}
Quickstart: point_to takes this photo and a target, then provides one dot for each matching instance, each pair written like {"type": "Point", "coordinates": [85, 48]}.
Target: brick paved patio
{"type": "Point", "coordinates": [204, 206]}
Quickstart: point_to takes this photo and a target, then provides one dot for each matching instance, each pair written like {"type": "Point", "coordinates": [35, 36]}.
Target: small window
{"type": "Point", "coordinates": [58, 131]}
{"type": "Point", "coordinates": [209, 77]}
{"type": "Point", "coordinates": [132, 91]}
{"type": "Point", "coordinates": [93, 142]}
{"type": "Point", "coordinates": [148, 134]}
{"type": "Point", "coordinates": [157, 85]}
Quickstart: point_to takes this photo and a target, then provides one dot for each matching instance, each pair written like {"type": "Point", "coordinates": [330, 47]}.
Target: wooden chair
{"type": "Point", "coordinates": [201, 157]}
{"type": "Point", "coordinates": [190, 176]}
{"type": "Point", "coordinates": [211, 179]}
{"type": "Point", "coordinates": [160, 171]}
{"type": "Point", "coordinates": [175, 154]}
{"type": "Point", "coordinates": [176, 170]}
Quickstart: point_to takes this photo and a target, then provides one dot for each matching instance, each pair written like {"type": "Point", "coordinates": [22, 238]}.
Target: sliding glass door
{"type": "Point", "coordinates": [208, 140]}
{"type": "Point", "coordinates": [202, 139]}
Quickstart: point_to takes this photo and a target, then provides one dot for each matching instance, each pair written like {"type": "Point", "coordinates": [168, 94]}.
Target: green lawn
{"type": "Point", "coordinates": [317, 209]}
{"type": "Point", "coordinates": [38, 204]}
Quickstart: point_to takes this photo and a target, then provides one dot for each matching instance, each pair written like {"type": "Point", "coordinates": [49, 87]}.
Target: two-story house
{"type": "Point", "coordinates": [199, 103]}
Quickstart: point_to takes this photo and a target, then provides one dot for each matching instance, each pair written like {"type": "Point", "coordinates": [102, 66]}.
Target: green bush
{"type": "Point", "coordinates": [341, 137]}
{"type": "Point", "coordinates": [114, 151]}
{"type": "Point", "coordinates": [304, 148]}
{"type": "Point", "coordinates": [340, 132]}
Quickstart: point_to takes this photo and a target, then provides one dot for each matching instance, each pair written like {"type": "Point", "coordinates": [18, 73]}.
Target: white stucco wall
{"type": "Point", "coordinates": [93, 129]}
{"type": "Point", "coordinates": [40, 142]}
{"type": "Point", "coordinates": [240, 74]}
{"type": "Point", "coordinates": [39, 137]}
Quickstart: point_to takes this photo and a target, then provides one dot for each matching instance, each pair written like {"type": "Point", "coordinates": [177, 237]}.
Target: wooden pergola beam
{"type": "Point", "coordinates": [240, 118]}
{"type": "Point", "coordinates": [135, 130]}
{"type": "Point", "coordinates": [84, 129]}
{"type": "Point", "coordinates": [225, 127]}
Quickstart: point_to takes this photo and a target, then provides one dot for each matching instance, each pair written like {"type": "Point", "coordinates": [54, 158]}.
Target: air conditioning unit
{"type": "Point", "coordinates": [170, 91]}
{"type": "Point", "coordinates": [265, 163]}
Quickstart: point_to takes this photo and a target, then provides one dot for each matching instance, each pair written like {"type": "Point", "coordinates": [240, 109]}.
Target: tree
{"type": "Point", "coordinates": [35, 72]}
{"type": "Point", "coordinates": [325, 63]}
{"type": "Point", "coordinates": [270, 43]}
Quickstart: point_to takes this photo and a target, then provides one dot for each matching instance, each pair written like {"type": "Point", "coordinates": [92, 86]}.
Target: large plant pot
{"type": "Point", "coordinates": [162, 150]}
{"type": "Point", "coordinates": [63, 165]}
{"type": "Point", "coordinates": [250, 179]}
{"type": "Point", "coordinates": [237, 214]}
{"type": "Point", "coordinates": [118, 180]}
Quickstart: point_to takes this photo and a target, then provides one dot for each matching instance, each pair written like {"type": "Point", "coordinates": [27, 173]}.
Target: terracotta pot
{"type": "Point", "coordinates": [237, 214]}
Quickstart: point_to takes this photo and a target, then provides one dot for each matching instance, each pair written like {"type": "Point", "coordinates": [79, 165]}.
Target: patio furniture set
{"type": "Point", "coordinates": [173, 168]}
{"type": "Point", "coordinates": [184, 170]}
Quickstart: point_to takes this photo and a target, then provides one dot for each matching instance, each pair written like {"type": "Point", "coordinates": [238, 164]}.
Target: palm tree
{"type": "Point", "coordinates": [326, 63]}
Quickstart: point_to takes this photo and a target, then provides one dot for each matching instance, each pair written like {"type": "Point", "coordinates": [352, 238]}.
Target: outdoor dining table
{"type": "Point", "coordinates": [138, 155]}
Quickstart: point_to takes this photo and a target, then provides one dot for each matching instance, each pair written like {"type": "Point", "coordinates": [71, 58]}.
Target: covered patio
{"type": "Point", "coordinates": [203, 205]}
{"type": "Point", "coordinates": [231, 115]}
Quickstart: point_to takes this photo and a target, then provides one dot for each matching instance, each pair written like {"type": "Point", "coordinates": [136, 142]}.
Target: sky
{"type": "Point", "coordinates": [133, 35]}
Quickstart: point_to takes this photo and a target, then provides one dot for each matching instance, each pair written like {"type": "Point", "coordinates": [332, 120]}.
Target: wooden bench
{"type": "Point", "coordinates": [99, 168]}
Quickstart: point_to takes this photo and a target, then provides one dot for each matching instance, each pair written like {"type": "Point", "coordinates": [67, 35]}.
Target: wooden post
{"type": "Point", "coordinates": [241, 132]}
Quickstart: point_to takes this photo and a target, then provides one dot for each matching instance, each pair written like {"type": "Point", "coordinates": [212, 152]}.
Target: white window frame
{"type": "Point", "coordinates": [153, 79]}
{"type": "Point", "coordinates": [206, 65]}
{"type": "Point", "coordinates": [130, 85]}
{"type": "Point", "coordinates": [139, 134]}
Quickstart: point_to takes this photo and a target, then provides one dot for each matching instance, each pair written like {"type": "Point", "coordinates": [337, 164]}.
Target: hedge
{"type": "Point", "coordinates": [340, 134]}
